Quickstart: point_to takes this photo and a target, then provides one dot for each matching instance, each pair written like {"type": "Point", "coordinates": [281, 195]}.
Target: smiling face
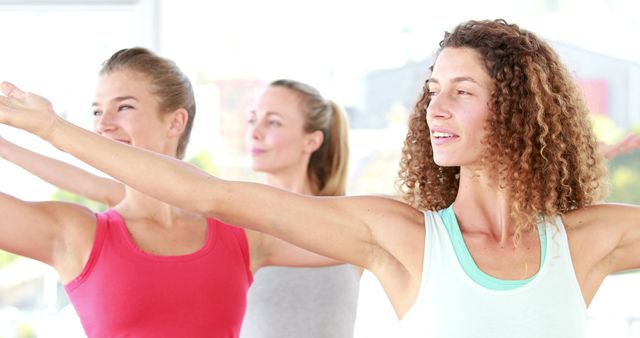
{"type": "Point", "coordinates": [126, 110]}
{"type": "Point", "coordinates": [460, 89]}
{"type": "Point", "coordinates": [275, 135]}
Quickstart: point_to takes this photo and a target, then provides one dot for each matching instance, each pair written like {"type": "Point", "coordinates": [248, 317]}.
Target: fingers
{"type": "Point", "coordinates": [9, 89]}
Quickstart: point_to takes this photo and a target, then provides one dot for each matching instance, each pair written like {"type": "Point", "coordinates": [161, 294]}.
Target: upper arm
{"type": "Point", "coordinates": [609, 236]}
{"type": "Point", "coordinates": [627, 252]}
{"type": "Point", "coordinates": [44, 231]}
{"type": "Point", "coordinates": [345, 229]}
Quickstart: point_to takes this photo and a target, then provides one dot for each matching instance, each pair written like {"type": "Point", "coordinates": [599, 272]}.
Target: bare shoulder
{"type": "Point", "coordinates": [596, 232]}
{"type": "Point", "coordinates": [400, 232]}
{"type": "Point", "coordinates": [606, 215]}
{"type": "Point", "coordinates": [603, 239]}
{"type": "Point", "coordinates": [78, 227]}
{"type": "Point", "coordinates": [388, 208]}
{"type": "Point", "coordinates": [397, 228]}
{"type": "Point", "coordinates": [69, 215]}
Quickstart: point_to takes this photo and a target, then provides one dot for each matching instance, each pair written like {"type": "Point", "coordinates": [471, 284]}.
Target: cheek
{"type": "Point", "coordinates": [280, 138]}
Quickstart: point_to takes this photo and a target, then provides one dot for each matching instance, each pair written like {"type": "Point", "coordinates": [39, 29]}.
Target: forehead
{"type": "Point", "coordinates": [456, 63]}
{"type": "Point", "coordinates": [278, 99]}
{"type": "Point", "coordinates": [123, 83]}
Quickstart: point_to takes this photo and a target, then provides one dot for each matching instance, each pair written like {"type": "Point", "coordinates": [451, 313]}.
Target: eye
{"type": "Point", "coordinates": [251, 121]}
{"type": "Point", "coordinates": [463, 92]}
{"type": "Point", "coordinates": [124, 107]}
{"type": "Point", "coordinates": [275, 123]}
{"type": "Point", "coordinates": [97, 113]}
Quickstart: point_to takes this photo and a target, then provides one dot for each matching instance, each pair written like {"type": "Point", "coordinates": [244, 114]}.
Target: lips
{"type": "Point", "coordinates": [441, 136]}
{"type": "Point", "coordinates": [257, 152]}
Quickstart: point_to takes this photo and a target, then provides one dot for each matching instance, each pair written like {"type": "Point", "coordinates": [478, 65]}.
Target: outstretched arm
{"type": "Point", "coordinates": [64, 175]}
{"type": "Point", "coordinates": [628, 144]}
{"type": "Point", "coordinates": [349, 229]}
{"type": "Point", "coordinates": [610, 236]}
{"type": "Point", "coordinates": [51, 232]}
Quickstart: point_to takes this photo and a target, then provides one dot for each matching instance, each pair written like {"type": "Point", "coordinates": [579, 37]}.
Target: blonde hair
{"type": "Point", "coordinates": [540, 146]}
{"type": "Point", "coordinates": [327, 168]}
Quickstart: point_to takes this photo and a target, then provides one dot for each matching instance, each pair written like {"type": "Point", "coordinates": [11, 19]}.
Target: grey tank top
{"type": "Point", "coordinates": [286, 302]}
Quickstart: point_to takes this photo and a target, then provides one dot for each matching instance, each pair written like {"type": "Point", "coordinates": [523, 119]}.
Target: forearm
{"type": "Point", "coordinates": [64, 175]}
{"type": "Point", "coordinates": [181, 183]}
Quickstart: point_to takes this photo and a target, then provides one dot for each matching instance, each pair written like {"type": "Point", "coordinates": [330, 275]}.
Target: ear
{"type": "Point", "coordinates": [314, 141]}
{"type": "Point", "coordinates": [178, 121]}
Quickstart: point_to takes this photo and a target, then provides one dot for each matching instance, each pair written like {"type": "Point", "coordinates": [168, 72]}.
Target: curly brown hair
{"type": "Point", "coordinates": [539, 147]}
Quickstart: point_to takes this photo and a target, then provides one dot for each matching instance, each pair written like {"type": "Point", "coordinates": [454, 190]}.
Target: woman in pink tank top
{"type": "Point", "coordinates": [145, 101]}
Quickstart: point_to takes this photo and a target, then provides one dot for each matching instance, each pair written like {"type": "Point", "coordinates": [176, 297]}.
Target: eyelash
{"type": "Point", "coordinates": [252, 121]}
{"type": "Point", "coordinates": [124, 106]}
{"type": "Point", "coordinates": [432, 93]}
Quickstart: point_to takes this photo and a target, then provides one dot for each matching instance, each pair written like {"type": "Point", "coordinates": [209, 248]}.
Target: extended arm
{"type": "Point", "coordinates": [629, 143]}
{"type": "Point", "coordinates": [608, 237]}
{"type": "Point", "coordinates": [58, 234]}
{"type": "Point", "coordinates": [343, 228]}
{"type": "Point", "coordinates": [626, 255]}
{"type": "Point", "coordinates": [64, 175]}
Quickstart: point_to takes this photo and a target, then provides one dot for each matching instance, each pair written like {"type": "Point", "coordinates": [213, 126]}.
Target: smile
{"type": "Point", "coordinates": [439, 134]}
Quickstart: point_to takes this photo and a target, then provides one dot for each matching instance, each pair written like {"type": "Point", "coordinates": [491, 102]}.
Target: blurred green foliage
{"type": "Point", "coordinates": [204, 161]}
{"type": "Point", "coordinates": [6, 258]}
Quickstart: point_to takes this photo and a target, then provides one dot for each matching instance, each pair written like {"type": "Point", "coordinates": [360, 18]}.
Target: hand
{"type": "Point", "coordinates": [26, 111]}
{"type": "Point", "coordinates": [627, 144]}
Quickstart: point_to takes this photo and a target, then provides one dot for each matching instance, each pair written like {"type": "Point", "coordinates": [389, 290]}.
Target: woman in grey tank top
{"type": "Point", "coordinates": [299, 140]}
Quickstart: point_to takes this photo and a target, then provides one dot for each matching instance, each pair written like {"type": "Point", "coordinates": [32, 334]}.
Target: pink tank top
{"type": "Point", "coordinates": [126, 292]}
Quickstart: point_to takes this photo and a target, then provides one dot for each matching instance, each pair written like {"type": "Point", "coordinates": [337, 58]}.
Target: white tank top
{"type": "Point", "coordinates": [375, 316]}
{"type": "Point", "coordinates": [453, 303]}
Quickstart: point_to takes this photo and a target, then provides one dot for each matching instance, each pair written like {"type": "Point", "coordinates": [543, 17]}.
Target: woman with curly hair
{"type": "Point", "coordinates": [503, 235]}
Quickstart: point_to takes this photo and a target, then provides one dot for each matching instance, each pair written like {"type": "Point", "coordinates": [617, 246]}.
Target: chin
{"type": "Point", "coordinates": [444, 162]}
{"type": "Point", "coordinates": [260, 167]}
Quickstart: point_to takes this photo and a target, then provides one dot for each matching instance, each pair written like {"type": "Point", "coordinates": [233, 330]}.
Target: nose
{"type": "Point", "coordinates": [439, 107]}
{"type": "Point", "coordinates": [105, 122]}
{"type": "Point", "coordinates": [255, 130]}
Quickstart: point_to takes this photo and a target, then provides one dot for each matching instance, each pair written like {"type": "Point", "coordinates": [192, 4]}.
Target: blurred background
{"type": "Point", "coordinates": [369, 56]}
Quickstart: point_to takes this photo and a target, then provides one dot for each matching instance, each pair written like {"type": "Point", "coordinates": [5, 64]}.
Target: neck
{"type": "Point", "coordinates": [137, 205]}
{"type": "Point", "coordinates": [484, 207]}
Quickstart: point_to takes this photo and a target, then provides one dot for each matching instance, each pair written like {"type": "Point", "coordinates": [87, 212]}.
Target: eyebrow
{"type": "Point", "coordinates": [456, 79]}
{"type": "Point", "coordinates": [118, 99]}
{"type": "Point", "coordinates": [269, 113]}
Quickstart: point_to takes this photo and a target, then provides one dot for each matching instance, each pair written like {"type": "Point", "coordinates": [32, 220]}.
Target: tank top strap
{"type": "Point", "coordinates": [102, 228]}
